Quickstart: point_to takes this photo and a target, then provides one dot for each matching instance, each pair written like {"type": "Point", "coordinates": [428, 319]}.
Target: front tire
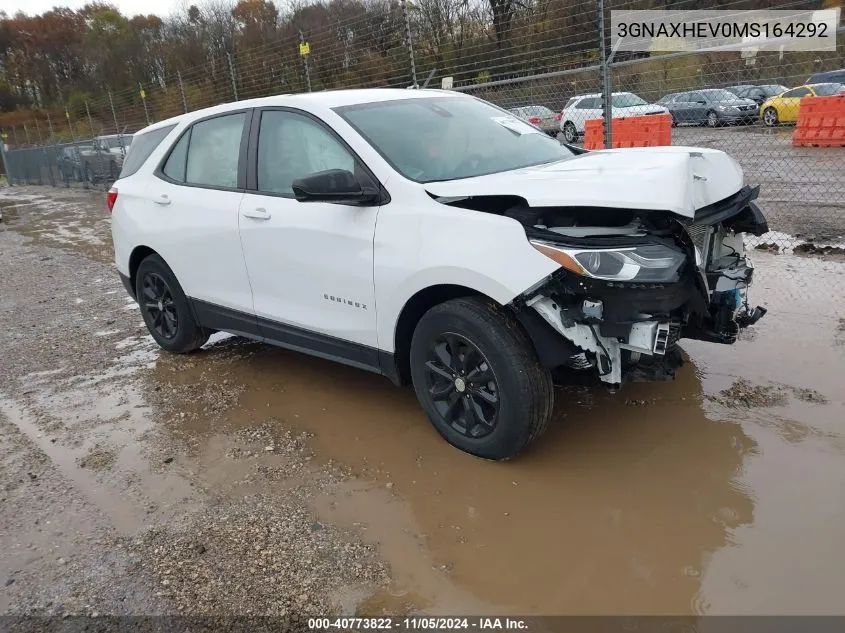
{"type": "Point", "coordinates": [569, 132]}
{"type": "Point", "coordinates": [478, 378]}
{"type": "Point", "coordinates": [770, 117]}
{"type": "Point", "coordinates": [165, 308]}
{"type": "Point", "coordinates": [712, 119]}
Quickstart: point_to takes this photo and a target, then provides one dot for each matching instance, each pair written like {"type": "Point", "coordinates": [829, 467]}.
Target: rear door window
{"type": "Point", "coordinates": [142, 146]}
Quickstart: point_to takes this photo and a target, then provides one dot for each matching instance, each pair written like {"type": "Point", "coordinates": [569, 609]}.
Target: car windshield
{"type": "Point", "coordinates": [826, 90]}
{"type": "Point", "coordinates": [627, 100]}
{"type": "Point", "coordinates": [719, 95]}
{"type": "Point", "coordinates": [446, 138]}
{"type": "Point", "coordinates": [773, 90]}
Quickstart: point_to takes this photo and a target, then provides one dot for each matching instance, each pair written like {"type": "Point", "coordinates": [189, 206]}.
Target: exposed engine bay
{"type": "Point", "coordinates": [632, 283]}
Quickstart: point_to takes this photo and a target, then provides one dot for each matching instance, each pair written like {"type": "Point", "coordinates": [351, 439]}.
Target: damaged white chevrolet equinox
{"type": "Point", "coordinates": [433, 238]}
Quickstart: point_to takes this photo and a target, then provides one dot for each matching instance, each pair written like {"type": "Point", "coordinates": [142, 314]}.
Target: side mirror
{"type": "Point", "coordinates": [333, 185]}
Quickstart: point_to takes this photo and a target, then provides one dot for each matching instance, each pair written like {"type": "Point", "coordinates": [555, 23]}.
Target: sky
{"type": "Point", "coordinates": [127, 7]}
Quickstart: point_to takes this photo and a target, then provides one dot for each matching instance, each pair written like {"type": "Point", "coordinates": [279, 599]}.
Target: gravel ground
{"type": "Point", "coordinates": [245, 481]}
{"type": "Point", "coordinates": [104, 507]}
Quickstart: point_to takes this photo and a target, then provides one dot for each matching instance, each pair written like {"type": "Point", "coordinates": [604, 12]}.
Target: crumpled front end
{"type": "Point", "coordinates": [627, 293]}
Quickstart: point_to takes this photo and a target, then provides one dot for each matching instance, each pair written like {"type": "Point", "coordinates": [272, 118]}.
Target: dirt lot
{"type": "Point", "coordinates": [245, 479]}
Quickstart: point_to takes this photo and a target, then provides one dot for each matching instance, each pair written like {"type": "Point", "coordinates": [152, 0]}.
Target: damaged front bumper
{"type": "Point", "coordinates": [627, 330]}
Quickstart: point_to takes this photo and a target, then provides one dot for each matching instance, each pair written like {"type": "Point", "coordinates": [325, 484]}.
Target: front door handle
{"type": "Point", "coordinates": [163, 199]}
{"type": "Point", "coordinates": [257, 214]}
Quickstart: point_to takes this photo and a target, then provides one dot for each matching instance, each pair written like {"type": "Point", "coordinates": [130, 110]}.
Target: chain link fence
{"type": "Point", "coordinates": [547, 64]}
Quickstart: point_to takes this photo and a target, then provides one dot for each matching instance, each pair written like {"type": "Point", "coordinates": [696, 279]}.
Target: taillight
{"type": "Point", "coordinates": [111, 198]}
{"type": "Point", "coordinates": [558, 116]}
{"type": "Point", "coordinates": [534, 119]}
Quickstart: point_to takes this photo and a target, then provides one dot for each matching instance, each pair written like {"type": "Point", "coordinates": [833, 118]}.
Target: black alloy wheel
{"type": "Point", "coordinates": [462, 385]}
{"type": "Point", "coordinates": [166, 310]}
{"type": "Point", "coordinates": [157, 300]}
{"type": "Point", "coordinates": [478, 378]}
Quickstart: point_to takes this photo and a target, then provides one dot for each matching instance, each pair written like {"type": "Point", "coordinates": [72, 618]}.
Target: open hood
{"type": "Point", "coordinates": [675, 179]}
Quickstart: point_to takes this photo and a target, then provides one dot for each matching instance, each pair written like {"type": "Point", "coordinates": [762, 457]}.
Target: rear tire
{"type": "Point", "coordinates": [165, 308]}
{"type": "Point", "coordinates": [478, 378]}
{"type": "Point", "coordinates": [569, 132]}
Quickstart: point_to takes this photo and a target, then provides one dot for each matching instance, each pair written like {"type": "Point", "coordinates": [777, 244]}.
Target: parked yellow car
{"type": "Point", "coordinates": [784, 107]}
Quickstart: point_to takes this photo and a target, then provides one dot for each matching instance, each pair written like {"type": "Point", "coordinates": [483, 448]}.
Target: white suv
{"type": "Point", "coordinates": [472, 258]}
{"type": "Point", "coordinates": [579, 110]}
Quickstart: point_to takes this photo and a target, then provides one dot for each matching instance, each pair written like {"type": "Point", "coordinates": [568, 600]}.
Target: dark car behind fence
{"type": "Point", "coordinates": [84, 164]}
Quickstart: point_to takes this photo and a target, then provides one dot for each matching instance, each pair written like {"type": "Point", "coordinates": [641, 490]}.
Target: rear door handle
{"type": "Point", "coordinates": [257, 214]}
{"type": "Point", "coordinates": [162, 199]}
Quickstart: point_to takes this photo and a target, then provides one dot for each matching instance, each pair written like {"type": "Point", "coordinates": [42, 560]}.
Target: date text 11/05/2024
{"type": "Point", "coordinates": [427, 623]}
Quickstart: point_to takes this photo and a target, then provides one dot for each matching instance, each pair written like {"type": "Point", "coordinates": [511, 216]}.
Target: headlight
{"type": "Point", "coordinates": [647, 263]}
{"type": "Point", "coordinates": [721, 107]}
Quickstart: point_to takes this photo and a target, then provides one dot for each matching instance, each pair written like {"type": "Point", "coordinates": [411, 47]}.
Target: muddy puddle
{"type": "Point", "coordinates": [64, 219]}
{"type": "Point", "coordinates": [653, 500]}
{"type": "Point", "coordinates": [719, 492]}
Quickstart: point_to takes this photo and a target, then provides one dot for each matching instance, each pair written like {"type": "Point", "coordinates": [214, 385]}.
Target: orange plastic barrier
{"type": "Point", "coordinates": [637, 131]}
{"type": "Point", "coordinates": [821, 122]}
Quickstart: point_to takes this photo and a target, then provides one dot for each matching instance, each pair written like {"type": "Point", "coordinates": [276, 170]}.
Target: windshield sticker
{"type": "Point", "coordinates": [515, 125]}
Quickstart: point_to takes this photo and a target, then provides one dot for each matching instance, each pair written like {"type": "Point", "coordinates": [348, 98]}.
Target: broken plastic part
{"type": "Point", "coordinates": [606, 349]}
{"type": "Point", "coordinates": [750, 317]}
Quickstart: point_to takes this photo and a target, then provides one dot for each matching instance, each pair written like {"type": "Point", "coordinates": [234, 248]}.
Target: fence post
{"type": "Point", "coordinates": [83, 169]}
{"type": "Point", "coordinates": [26, 134]}
{"type": "Point", "coordinates": [604, 72]}
{"type": "Point", "coordinates": [409, 42]}
{"type": "Point", "coordinates": [232, 75]}
{"type": "Point", "coordinates": [144, 101]}
{"type": "Point", "coordinates": [90, 122]}
{"type": "Point", "coordinates": [47, 162]}
{"type": "Point", "coordinates": [3, 159]}
{"type": "Point", "coordinates": [304, 52]}
{"type": "Point", "coordinates": [182, 91]}
{"type": "Point", "coordinates": [116, 126]}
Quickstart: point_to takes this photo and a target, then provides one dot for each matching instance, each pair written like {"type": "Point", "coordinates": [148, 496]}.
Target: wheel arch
{"type": "Point", "coordinates": [413, 310]}
{"type": "Point", "coordinates": [139, 254]}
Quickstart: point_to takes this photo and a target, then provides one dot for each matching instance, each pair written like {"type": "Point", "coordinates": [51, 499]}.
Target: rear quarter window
{"type": "Point", "coordinates": [142, 146]}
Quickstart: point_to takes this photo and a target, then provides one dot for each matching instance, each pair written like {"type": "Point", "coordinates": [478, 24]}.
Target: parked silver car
{"type": "Point", "coordinates": [541, 116]}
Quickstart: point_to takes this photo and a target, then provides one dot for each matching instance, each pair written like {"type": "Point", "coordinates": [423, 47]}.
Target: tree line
{"type": "Point", "coordinates": [65, 61]}
{"type": "Point", "coordinates": [62, 55]}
